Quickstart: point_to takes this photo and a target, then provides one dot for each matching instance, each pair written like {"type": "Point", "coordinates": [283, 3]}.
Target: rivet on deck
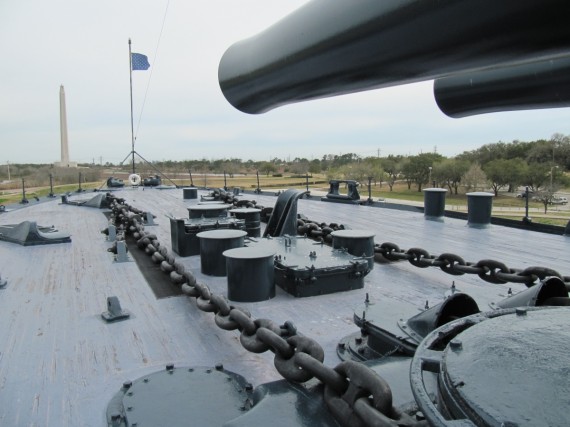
{"type": "Point", "coordinates": [455, 344]}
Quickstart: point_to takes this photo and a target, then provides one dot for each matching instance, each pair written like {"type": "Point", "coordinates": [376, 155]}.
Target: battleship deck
{"type": "Point", "coordinates": [60, 363]}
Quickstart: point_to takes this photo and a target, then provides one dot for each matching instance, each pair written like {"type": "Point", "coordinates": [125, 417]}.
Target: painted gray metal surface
{"type": "Point", "coordinates": [208, 210]}
{"type": "Point", "coordinates": [479, 208]}
{"type": "Point", "coordinates": [184, 232]}
{"type": "Point", "coordinates": [503, 368]}
{"type": "Point", "coordinates": [28, 233]}
{"type": "Point", "coordinates": [357, 242]}
{"type": "Point", "coordinates": [514, 351]}
{"type": "Point", "coordinates": [213, 243]}
{"type": "Point", "coordinates": [164, 398]}
{"type": "Point", "coordinates": [375, 44]}
{"type": "Point", "coordinates": [251, 276]}
{"type": "Point", "coordinates": [434, 203]}
{"type": "Point", "coordinates": [306, 268]}
{"type": "Point", "coordinates": [540, 84]}
{"type": "Point", "coordinates": [251, 218]}
{"type": "Point", "coordinates": [190, 193]}
{"type": "Point", "coordinates": [61, 363]}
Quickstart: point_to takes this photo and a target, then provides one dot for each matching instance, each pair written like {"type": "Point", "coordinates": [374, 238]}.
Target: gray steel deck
{"type": "Point", "coordinates": [60, 363]}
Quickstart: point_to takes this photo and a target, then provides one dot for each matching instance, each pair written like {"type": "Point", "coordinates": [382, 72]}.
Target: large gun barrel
{"type": "Point", "coordinates": [542, 84]}
{"type": "Point", "coordinates": [333, 47]}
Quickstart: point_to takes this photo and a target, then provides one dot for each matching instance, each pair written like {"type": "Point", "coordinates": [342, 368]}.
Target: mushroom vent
{"type": "Point", "coordinates": [549, 292]}
{"type": "Point", "coordinates": [455, 307]}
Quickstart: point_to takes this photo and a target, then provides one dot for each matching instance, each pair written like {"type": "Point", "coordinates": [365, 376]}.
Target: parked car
{"type": "Point", "coordinates": [523, 194]}
{"type": "Point", "coordinates": [559, 200]}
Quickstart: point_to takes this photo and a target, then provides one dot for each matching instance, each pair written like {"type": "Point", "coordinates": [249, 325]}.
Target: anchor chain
{"type": "Point", "coordinates": [354, 393]}
{"type": "Point", "coordinates": [489, 270]}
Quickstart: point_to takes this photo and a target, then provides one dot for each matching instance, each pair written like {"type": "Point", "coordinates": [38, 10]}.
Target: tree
{"type": "Point", "coordinates": [474, 178]}
{"type": "Point", "coordinates": [541, 152]}
{"type": "Point", "coordinates": [518, 150]}
{"type": "Point", "coordinates": [299, 166]}
{"type": "Point", "coordinates": [486, 153]}
{"type": "Point", "coordinates": [418, 169]}
{"type": "Point", "coordinates": [536, 176]}
{"type": "Point", "coordinates": [406, 172]}
{"type": "Point", "coordinates": [561, 147]}
{"type": "Point", "coordinates": [267, 167]}
{"type": "Point", "coordinates": [555, 150]}
{"type": "Point", "coordinates": [449, 172]}
{"type": "Point", "coordinates": [231, 167]}
{"type": "Point", "coordinates": [315, 166]}
{"type": "Point", "coordinates": [372, 168]}
{"type": "Point", "coordinates": [344, 159]}
{"type": "Point", "coordinates": [392, 168]}
{"type": "Point", "coordinates": [546, 196]}
{"type": "Point", "coordinates": [518, 168]}
{"type": "Point", "coordinates": [502, 172]}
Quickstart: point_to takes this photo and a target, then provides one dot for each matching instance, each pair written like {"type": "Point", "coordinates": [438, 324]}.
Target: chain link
{"type": "Point", "coordinates": [275, 342]}
{"type": "Point", "coordinates": [326, 375]}
{"type": "Point", "coordinates": [490, 269]}
{"type": "Point", "coordinates": [449, 262]}
{"type": "Point", "coordinates": [289, 366]}
{"type": "Point", "coordinates": [226, 322]}
{"type": "Point", "coordinates": [365, 398]}
{"type": "Point", "coordinates": [244, 321]}
{"type": "Point", "coordinates": [251, 342]}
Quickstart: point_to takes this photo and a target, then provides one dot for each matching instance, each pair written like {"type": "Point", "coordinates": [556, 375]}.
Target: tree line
{"type": "Point", "coordinates": [539, 165]}
{"type": "Point", "coordinates": [501, 166]}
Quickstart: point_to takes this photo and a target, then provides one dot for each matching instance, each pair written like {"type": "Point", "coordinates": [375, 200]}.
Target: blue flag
{"type": "Point", "coordinates": [139, 61]}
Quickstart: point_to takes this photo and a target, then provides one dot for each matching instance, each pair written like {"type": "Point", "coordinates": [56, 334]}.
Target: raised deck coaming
{"type": "Point", "coordinates": [60, 363]}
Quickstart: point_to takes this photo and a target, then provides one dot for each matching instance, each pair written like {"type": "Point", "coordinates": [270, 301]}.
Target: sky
{"type": "Point", "coordinates": [179, 110]}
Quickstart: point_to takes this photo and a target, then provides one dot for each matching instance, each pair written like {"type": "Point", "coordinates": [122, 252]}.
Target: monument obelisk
{"type": "Point", "coordinates": [64, 163]}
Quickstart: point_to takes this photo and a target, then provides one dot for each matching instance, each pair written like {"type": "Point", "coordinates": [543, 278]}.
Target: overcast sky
{"type": "Point", "coordinates": [84, 46]}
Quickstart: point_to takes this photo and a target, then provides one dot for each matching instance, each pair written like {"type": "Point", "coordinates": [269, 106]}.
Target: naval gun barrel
{"type": "Point", "coordinates": [536, 85]}
{"type": "Point", "coordinates": [334, 47]}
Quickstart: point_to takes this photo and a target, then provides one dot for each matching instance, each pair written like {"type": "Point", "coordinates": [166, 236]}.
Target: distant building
{"type": "Point", "coordinates": [65, 162]}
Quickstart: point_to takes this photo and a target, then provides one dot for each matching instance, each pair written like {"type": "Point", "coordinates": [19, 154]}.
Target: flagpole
{"type": "Point", "coordinates": [132, 126]}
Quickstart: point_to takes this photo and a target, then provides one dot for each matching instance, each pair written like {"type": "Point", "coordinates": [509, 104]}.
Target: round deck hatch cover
{"type": "Point", "coordinates": [510, 369]}
{"type": "Point", "coordinates": [180, 397]}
